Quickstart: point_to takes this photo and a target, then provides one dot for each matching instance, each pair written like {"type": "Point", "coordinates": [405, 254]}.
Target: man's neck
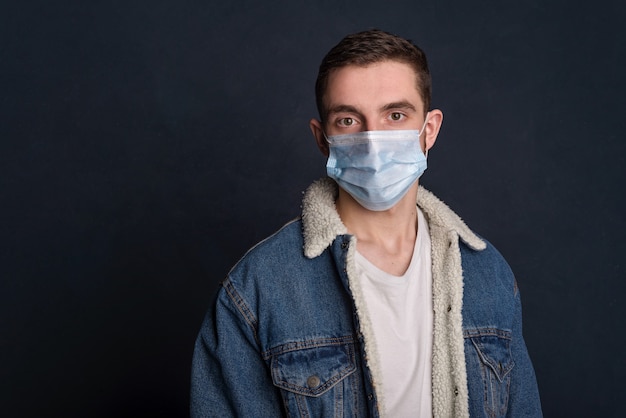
{"type": "Point", "coordinates": [385, 238]}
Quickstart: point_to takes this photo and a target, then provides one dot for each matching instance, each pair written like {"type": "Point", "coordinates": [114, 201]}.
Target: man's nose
{"type": "Point", "coordinates": [372, 125]}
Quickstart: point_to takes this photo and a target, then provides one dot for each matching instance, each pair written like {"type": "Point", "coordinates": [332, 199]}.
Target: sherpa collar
{"type": "Point", "coordinates": [322, 224]}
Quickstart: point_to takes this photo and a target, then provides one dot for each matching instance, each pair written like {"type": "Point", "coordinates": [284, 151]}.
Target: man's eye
{"type": "Point", "coordinates": [396, 116]}
{"type": "Point", "coordinates": [346, 122]}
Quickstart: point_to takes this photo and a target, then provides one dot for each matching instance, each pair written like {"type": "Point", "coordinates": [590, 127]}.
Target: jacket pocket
{"type": "Point", "coordinates": [490, 352]}
{"type": "Point", "coordinates": [313, 381]}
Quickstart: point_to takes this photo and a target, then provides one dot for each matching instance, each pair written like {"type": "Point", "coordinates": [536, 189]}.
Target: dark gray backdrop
{"type": "Point", "coordinates": [144, 146]}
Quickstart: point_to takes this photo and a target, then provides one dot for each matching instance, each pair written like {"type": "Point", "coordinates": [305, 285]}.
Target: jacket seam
{"type": "Point", "coordinates": [307, 344]}
{"type": "Point", "coordinates": [242, 307]}
{"type": "Point", "coordinates": [487, 332]}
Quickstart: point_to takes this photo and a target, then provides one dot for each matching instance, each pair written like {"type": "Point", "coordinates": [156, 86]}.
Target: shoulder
{"type": "Point", "coordinates": [259, 273]}
{"type": "Point", "coordinates": [490, 293]}
{"type": "Point", "coordinates": [278, 264]}
{"type": "Point", "coordinates": [276, 250]}
{"type": "Point", "coordinates": [486, 266]}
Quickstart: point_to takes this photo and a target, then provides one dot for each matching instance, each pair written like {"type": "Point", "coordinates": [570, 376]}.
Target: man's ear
{"type": "Point", "coordinates": [432, 127]}
{"type": "Point", "coordinates": [318, 133]}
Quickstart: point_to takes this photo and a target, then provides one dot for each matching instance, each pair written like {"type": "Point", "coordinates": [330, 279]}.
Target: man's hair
{"type": "Point", "coordinates": [370, 47]}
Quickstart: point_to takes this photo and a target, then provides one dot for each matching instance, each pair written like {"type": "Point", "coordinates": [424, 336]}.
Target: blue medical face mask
{"type": "Point", "coordinates": [376, 168]}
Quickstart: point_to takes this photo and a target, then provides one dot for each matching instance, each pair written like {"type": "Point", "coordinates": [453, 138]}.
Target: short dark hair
{"type": "Point", "coordinates": [370, 47]}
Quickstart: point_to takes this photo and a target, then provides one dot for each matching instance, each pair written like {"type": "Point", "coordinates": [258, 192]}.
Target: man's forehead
{"type": "Point", "coordinates": [378, 85]}
{"type": "Point", "coordinates": [388, 65]}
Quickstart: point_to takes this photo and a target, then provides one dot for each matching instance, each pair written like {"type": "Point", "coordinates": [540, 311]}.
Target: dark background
{"type": "Point", "coordinates": [145, 145]}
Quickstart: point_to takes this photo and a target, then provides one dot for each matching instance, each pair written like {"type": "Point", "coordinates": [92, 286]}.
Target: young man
{"type": "Point", "coordinates": [368, 305]}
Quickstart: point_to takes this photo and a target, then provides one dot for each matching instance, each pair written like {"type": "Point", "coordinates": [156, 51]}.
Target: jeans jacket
{"type": "Point", "coordinates": [288, 333]}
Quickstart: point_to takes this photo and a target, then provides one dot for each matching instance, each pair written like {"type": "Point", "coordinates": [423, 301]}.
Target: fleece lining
{"type": "Point", "coordinates": [322, 224]}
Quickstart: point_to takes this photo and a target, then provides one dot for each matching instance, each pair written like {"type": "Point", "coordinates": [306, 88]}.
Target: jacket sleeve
{"type": "Point", "coordinates": [229, 376]}
{"type": "Point", "coordinates": [524, 394]}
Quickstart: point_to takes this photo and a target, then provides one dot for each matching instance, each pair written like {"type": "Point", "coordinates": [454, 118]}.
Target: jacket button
{"type": "Point", "coordinates": [456, 391]}
{"type": "Point", "coordinates": [449, 308]}
{"type": "Point", "coordinates": [313, 382]}
{"type": "Point", "coordinates": [344, 245]}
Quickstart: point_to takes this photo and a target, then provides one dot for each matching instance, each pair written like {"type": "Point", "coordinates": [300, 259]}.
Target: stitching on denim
{"type": "Point", "coordinates": [242, 307]}
{"type": "Point", "coordinates": [492, 386]}
{"type": "Point", "coordinates": [303, 408]}
{"type": "Point", "coordinates": [495, 388]}
{"type": "Point", "coordinates": [355, 384]}
{"type": "Point", "coordinates": [321, 389]}
{"type": "Point", "coordinates": [348, 370]}
{"type": "Point", "coordinates": [487, 361]}
{"type": "Point", "coordinates": [339, 395]}
{"type": "Point", "coordinates": [302, 345]}
{"type": "Point", "coordinates": [487, 332]}
{"type": "Point", "coordinates": [505, 403]}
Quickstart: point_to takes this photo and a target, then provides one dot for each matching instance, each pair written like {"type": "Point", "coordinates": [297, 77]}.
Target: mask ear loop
{"type": "Point", "coordinates": [422, 131]}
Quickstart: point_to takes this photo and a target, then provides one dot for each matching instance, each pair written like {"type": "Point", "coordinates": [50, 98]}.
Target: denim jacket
{"type": "Point", "coordinates": [289, 335]}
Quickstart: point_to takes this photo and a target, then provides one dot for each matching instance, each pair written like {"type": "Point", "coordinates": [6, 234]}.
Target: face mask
{"type": "Point", "coordinates": [376, 168]}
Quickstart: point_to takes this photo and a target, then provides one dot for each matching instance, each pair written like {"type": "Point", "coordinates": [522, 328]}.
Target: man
{"type": "Point", "coordinates": [368, 305]}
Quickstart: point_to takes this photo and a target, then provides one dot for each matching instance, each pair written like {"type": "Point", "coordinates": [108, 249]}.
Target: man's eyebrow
{"type": "Point", "coordinates": [403, 104]}
{"type": "Point", "coordinates": [343, 108]}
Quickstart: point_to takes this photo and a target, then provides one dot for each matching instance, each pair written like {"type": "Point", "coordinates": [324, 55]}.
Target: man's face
{"type": "Point", "coordinates": [380, 96]}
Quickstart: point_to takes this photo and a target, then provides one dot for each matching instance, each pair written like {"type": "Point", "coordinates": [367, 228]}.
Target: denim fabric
{"type": "Point", "coordinates": [282, 338]}
{"type": "Point", "coordinates": [501, 379]}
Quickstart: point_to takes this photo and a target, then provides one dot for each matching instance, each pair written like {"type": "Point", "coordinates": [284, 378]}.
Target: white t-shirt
{"type": "Point", "coordinates": [401, 313]}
